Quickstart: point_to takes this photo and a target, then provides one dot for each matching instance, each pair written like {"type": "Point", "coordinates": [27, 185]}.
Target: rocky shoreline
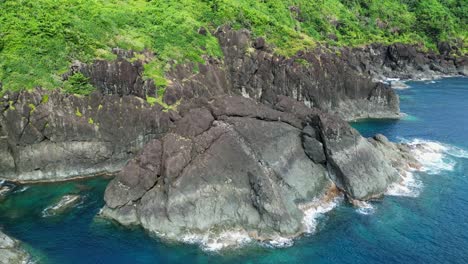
{"type": "Point", "coordinates": [246, 143]}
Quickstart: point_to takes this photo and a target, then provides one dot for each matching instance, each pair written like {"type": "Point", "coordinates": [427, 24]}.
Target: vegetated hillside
{"type": "Point", "coordinates": [40, 38]}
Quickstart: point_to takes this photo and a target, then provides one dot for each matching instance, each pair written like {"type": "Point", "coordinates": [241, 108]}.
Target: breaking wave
{"type": "Point", "coordinates": [313, 212]}
{"type": "Point", "coordinates": [227, 239]}
{"type": "Point", "coordinates": [316, 210]}
{"type": "Point", "coordinates": [434, 157]}
{"type": "Point", "coordinates": [409, 186]}
{"type": "Point", "coordinates": [364, 208]}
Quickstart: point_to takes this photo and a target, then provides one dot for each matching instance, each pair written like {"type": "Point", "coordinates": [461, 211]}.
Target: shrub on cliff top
{"type": "Point", "coordinates": [78, 84]}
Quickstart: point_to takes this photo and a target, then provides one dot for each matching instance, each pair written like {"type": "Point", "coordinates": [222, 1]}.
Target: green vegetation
{"type": "Point", "coordinates": [153, 100]}
{"type": "Point", "coordinates": [45, 99]}
{"type": "Point", "coordinates": [78, 113]}
{"type": "Point", "coordinates": [40, 38]}
{"type": "Point", "coordinates": [78, 84]}
{"type": "Point", "coordinates": [32, 107]}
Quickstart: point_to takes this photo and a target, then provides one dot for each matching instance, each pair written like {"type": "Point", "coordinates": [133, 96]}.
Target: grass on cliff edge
{"type": "Point", "coordinates": [40, 38]}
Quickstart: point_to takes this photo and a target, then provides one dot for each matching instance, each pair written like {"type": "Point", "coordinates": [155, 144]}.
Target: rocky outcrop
{"type": "Point", "coordinates": [343, 81]}
{"type": "Point", "coordinates": [319, 78]}
{"type": "Point", "coordinates": [11, 251]}
{"type": "Point", "coordinates": [234, 164]}
{"type": "Point", "coordinates": [64, 204]}
{"type": "Point", "coordinates": [353, 161]}
{"type": "Point", "coordinates": [52, 136]}
{"type": "Point", "coordinates": [123, 76]}
{"type": "Point", "coordinates": [405, 61]}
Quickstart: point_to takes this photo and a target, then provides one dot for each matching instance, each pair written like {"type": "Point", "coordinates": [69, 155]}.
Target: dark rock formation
{"type": "Point", "coordinates": [235, 164]}
{"type": "Point", "coordinates": [343, 81]}
{"type": "Point", "coordinates": [119, 77]}
{"type": "Point", "coordinates": [354, 163]}
{"type": "Point", "coordinates": [11, 251]}
{"type": "Point", "coordinates": [53, 136]}
{"type": "Point", "coordinates": [251, 70]}
{"type": "Point", "coordinates": [256, 138]}
{"type": "Point", "coordinates": [404, 61]}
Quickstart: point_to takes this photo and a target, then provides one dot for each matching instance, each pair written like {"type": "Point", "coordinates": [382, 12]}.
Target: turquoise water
{"type": "Point", "coordinates": [430, 228]}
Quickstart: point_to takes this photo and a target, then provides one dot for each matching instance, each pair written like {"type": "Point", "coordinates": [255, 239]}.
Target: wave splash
{"type": "Point", "coordinates": [434, 157]}
{"type": "Point", "coordinates": [316, 210]}
{"type": "Point", "coordinates": [364, 208]}
{"type": "Point", "coordinates": [208, 242]}
{"type": "Point", "coordinates": [313, 211]}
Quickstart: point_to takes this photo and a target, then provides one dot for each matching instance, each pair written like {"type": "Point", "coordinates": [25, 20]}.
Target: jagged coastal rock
{"type": "Point", "coordinates": [319, 78]}
{"type": "Point", "coordinates": [234, 164]}
{"type": "Point", "coordinates": [11, 251]}
{"type": "Point", "coordinates": [343, 81]}
{"type": "Point", "coordinates": [242, 144]}
{"type": "Point", "coordinates": [53, 136]}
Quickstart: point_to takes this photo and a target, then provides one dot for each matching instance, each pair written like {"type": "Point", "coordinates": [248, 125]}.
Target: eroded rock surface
{"type": "Point", "coordinates": [53, 136]}
{"type": "Point", "coordinates": [244, 166]}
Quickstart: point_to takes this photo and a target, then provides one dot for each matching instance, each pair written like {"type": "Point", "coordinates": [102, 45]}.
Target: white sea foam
{"type": "Point", "coordinates": [22, 189]}
{"type": "Point", "coordinates": [279, 242]}
{"type": "Point", "coordinates": [457, 152]}
{"type": "Point", "coordinates": [364, 208]}
{"type": "Point", "coordinates": [226, 239]}
{"type": "Point", "coordinates": [215, 241]}
{"type": "Point", "coordinates": [435, 157]}
{"type": "Point", "coordinates": [409, 186]}
{"type": "Point", "coordinates": [315, 210]}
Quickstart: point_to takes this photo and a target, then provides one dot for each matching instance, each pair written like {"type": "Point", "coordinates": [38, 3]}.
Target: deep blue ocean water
{"type": "Point", "coordinates": [430, 228]}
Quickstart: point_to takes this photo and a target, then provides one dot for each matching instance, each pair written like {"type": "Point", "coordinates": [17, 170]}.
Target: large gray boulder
{"type": "Point", "coordinates": [244, 166]}
{"type": "Point", "coordinates": [245, 170]}
{"type": "Point", "coordinates": [356, 166]}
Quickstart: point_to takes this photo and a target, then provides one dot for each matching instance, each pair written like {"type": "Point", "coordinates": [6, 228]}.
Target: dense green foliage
{"type": "Point", "coordinates": [40, 38]}
{"type": "Point", "coordinates": [78, 84]}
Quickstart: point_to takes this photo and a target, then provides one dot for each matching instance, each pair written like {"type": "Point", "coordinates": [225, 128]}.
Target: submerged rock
{"type": "Point", "coordinates": [248, 167]}
{"type": "Point", "coordinates": [11, 251]}
{"type": "Point", "coordinates": [4, 190]}
{"type": "Point", "coordinates": [65, 203]}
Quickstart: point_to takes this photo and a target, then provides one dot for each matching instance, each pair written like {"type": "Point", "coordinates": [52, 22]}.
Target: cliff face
{"type": "Point", "coordinates": [319, 78]}
{"type": "Point", "coordinates": [343, 81]}
{"type": "Point", "coordinates": [405, 61]}
{"type": "Point", "coordinates": [52, 136]}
